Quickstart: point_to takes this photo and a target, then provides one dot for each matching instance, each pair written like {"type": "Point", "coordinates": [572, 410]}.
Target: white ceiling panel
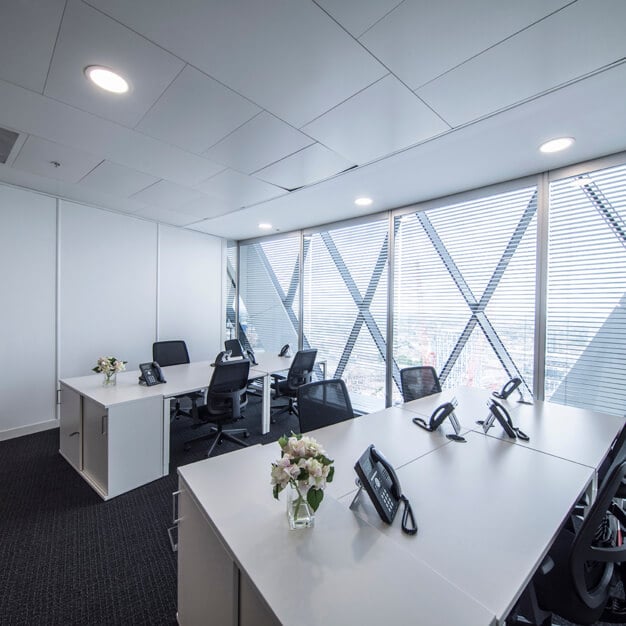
{"type": "Point", "coordinates": [28, 31]}
{"type": "Point", "coordinates": [496, 149]}
{"type": "Point", "coordinates": [418, 42]}
{"type": "Point", "coordinates": [196, 111]}
{"type": "Point", "coordinates": [384, 118]}
{"type": "Point", "coordinates": [39, 155]}
{"type": "Point", "coordinates": [288, 57]}
{"type": "Point", "coordinates": [116, 179]}
{"type": "Point", "coordinates": [206, 206]}
{"type": "Point", "coordinates": [308, 166]}
{"type": "Point", "coordinates": [356, 16]}
{"type": "Point", "coordinates": [166, 194]}
{"type": "Point", "coordinates": [87, 37]}
{"type": "Point", "coordinates": [239, 190]}
{"type": "Point", "coordinates": [161, 214]}
{"type": "Point", "coordinates": [261, 141]}
{"type": "Point", "coordinates": [32, 113]}
{"type": "Point", "coordinates": [531, 62]}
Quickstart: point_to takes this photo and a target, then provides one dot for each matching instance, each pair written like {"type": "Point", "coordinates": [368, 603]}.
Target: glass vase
{"type": "Point", "coordinates": [299, 512]}
{"type": "Point", "coordinates": [110, 379]}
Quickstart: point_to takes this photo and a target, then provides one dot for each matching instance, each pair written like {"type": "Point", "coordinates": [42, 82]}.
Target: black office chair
{"type": "Point", "coordinates": [322, 403]}
{"type": "Point", "coordinates": [235, 347]}
{"type": "Point", "coordinates": [300, 373]}
{"type": "Point", "coordinates": [418, 382]}
{"type": "Point", "coordinates": [175, 353]}
{"type": "Point", "coordinates": [226, 397]}
{"type": "Point", "coordinates": [584, 555]}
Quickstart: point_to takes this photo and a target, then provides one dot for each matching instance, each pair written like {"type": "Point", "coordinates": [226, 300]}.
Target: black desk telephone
{"type": "Point", "coordinates": [508, 388]}
{"type": "Point", "coordinates": [285, 350]}
{"type": "Point", "coordinates": [378, 478]}
{"type": "Point", "coordinates": [498, 412]}
{"type": "Point", "coordinates": [438, 416]}
{"type": "Point", "coordinates": [151, 374]}
{"type": "Point", "coordinates": [251, 358]}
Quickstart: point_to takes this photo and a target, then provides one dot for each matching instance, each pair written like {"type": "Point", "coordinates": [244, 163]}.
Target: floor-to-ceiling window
{"type": "Point", "coordinates": [464, 290]}
{"type": "Point", "coordinates": [345, 305]}
{"type": "Point", "coordinates": [269, 293]}
{"type": "Point", "coordinates": [586, 295]}
{"type": "Point", "coordinates": [231, 290]}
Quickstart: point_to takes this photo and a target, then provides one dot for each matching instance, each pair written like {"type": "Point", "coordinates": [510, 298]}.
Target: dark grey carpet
{"type": "Point", "coordinates": [67, 557]}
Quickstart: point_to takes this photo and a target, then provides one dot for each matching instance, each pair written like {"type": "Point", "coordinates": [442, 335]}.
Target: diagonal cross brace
{"type": "Point", "coordinates": [606, 210]}
{"type": "Point", "coordinates": [477, 308]}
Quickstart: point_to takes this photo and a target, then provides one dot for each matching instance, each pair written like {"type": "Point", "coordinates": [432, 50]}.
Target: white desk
{"type": "Point", "coordinates": [487, 511]}
{"type": "Point", "coordinates": [389, 429]}
{"type": "Point", "coordinates": [578, 435]}
{"type": "Point", "coordinates": [239, 564]}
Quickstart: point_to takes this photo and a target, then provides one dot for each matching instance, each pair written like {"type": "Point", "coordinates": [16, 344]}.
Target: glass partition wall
{"type": "Point", "coordinates": [526, 279]}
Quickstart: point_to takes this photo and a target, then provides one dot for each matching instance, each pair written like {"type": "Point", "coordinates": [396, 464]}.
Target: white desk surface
{"type": "Point", "coordinates": [180, 379]}
{"type": "Point", "coordinates": [574, 434]}
{"type": "Point", "coordinates": [390, 430]}
{"type": "Point", "coordinates": [270, 363]}
{"type": "Point", "coordinates": [342, 571]}
{"type": "Point", "coordinates": [487, 513]}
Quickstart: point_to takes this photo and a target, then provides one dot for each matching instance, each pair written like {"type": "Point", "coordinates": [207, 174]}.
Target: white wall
{"type": "Point", "coordinates": [190, 290]}
{"type": "Point", "coordinates": [107, 288]}
{"type": "Point", "coordinates": [27, 309]}
{"type": "Point", "coordinates": [117, 275]}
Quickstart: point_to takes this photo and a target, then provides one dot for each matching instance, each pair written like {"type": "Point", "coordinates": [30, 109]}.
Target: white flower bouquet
{"type": "Point", "coordinates": [109, 365]}
{"type": "Point", "coordinates": [303, 465]}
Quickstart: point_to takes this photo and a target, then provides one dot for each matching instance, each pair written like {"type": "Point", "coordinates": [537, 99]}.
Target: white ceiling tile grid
{"type": "Point", "coordinates": [263, 140]}
{"type": "Point", "coordinates": [384, 118]}
{"type": "Point", "coordinates": [233, 103]}
{"type": "Point", "coordinates": [310, 165]}
{"type": "Point", "coordinates": [195, 112]}
{"type": "Point", "coordinates": [87, 37]}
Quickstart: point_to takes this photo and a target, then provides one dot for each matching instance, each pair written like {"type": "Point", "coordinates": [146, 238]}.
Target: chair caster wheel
{"type": "Point", "coordinates": [246, 435]}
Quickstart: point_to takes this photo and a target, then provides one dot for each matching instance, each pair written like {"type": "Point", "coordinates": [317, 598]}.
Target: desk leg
{"type": "Point", "coordinates": [266, 405]}
{"type": "Point", "coordinates": [166, 436]}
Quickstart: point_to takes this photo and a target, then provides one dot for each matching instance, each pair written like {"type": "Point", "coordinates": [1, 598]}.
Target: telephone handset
{"type": "Point", "coordinates": [508, 388]}
{"type": "Point", "coordinates": [498, 412]}
{"type": "Point", "coordinates": [151, 374]}
{"type": "Point", "coordinates": [222, 357]}
{"type": "Point", "coordinates": [251, 358]}
{"type": "Point", "coordinates": [438, 416]}
{"type": "Point", "coordinates": [377, 476]}
{"type": "Point", "coordinates": [285, 350]}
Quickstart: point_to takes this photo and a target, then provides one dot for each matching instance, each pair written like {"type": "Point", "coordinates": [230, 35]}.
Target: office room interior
{"type": "Point", "coordinates": [391, 182]}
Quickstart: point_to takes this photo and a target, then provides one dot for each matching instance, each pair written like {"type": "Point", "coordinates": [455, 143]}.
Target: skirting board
{"type": "Point", "coordinates": [20, 431]}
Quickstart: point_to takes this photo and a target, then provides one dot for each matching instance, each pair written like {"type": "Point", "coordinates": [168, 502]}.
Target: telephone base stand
{"type": "Point", "coordinates": [358, 493]}
{"type": "Point", "coordinates": [456, 438]}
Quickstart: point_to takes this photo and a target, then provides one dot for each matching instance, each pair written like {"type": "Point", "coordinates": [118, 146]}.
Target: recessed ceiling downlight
{"type": "Point", "coordinates": [265, 226]}
{"type": "Point", "coordinates": [556, 145]}
{"type": "Point", "coordinates": [363, 201]}
{"type": "Point", "coordinates": [106, 79]}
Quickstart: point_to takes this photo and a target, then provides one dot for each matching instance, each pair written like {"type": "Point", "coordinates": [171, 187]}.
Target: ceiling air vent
{"type": "Point", "coordinates": [7, 141]}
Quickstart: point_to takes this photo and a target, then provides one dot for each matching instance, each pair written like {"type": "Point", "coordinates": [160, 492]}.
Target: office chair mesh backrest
{"type": "Point", "coordinates": [301, 370]}
{"type": "Point", "coordinates": [418, 382]}
{"type": "Point", "coordinates": [323, 403]}
{"type": "Point", "coordinates": [235, 347]}
{"type": "Point", "coordinates": [227, 389]}
{"type": "Point", "coordinates": [584, 553]}
{"type": "Point", "coordinates": [170, 353]}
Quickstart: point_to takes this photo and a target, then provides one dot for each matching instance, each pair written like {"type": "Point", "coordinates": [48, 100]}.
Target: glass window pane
{"type": "Point", "coordinates": [586, 319]}
{"type": "Point", "coordinates": [464, 290]}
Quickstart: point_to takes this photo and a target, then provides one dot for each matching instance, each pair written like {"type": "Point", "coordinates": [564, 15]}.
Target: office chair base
{"type": "Point", "coordinates": [219, 436]}
{"type": "Point", "coordinates": [290, 408]}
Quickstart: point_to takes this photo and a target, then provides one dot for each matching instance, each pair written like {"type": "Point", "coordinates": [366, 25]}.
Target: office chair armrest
{"type": "Point", "coordinates": [606, 554]}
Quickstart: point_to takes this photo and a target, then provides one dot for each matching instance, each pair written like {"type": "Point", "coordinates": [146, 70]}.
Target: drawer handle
{"type": "Point", "coordinates": [76, 432]}
{"type": "Point", "coordinates": [104, 425]}
{"type": "Point", "coordinates": [175, 518]}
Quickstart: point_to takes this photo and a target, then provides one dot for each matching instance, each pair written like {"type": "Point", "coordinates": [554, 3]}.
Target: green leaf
{"type": "Point", "coordinates": [95, 369]}
{"type": "Point", "coordinates": [324, 460]}
{"type": "Point", "coordinates": [331, 474]}
{"type": "Point", "coordinates": [276, 491]}
{"type": "Point", "coordinates": [282, 442]}
{"type": "Point", "coordinates": [314, 497]}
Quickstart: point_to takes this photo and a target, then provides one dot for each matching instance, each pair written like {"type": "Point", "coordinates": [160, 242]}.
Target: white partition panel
{"type": "Point", "coordinates": [27, 328]}
{"type": "Point", "coordinates": [107, 288]}
{"type": "Point", "coordinates": [190, 290]}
